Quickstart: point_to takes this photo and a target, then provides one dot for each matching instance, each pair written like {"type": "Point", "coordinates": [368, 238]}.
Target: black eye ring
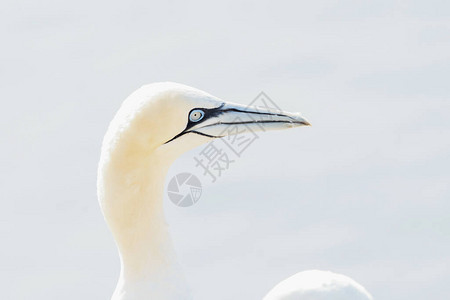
{"type": "Point", "coordinates": [196, 115]}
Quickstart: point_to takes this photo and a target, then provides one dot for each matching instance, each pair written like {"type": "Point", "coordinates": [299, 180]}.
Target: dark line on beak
{"type": "Point", "coordinates": [255, 122]}
{"type": "Point", "coordinates": [196, 132]}
{"type": "Point", "coordinates": [177, 136]}
{"type": "Point", "coordinates": [208, 135]}
{"type": "Point", "coordinates": [253, 112]}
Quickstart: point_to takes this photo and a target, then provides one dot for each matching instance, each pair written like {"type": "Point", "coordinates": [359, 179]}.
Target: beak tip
{"type": "Point", "coordinates": [302, 121]}
{"type": "Point", "coordinates": [299, 119]}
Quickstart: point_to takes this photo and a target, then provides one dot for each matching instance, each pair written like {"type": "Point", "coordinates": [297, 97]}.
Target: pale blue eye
{"type": "Point", "coordinates": [196, 115]}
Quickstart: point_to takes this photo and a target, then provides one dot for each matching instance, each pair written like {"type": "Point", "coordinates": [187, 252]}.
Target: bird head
{"type": "Point", "coordinates": [172, 118]}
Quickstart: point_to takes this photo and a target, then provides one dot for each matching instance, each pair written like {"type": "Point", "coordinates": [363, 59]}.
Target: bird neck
{"type": "Point", "coordinates": [130, 188]}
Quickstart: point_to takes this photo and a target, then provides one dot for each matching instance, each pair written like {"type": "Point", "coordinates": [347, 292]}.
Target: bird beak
{"type": "Point", "coordinates": [232, 119]}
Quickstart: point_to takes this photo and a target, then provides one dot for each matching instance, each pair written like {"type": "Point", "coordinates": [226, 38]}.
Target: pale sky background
{"type": "Point", "coordinates": [364, 192]}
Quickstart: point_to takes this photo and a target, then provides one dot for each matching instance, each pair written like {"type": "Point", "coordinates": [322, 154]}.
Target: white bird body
{"type": "Point", "coordinates": [318, 285]}
{"type": "Point", "coordinates": [154, 126]}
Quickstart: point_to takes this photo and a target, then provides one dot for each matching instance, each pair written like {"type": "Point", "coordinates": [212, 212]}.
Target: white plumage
{"type": "Point", "coordinates": [154, 126]}
{"type": "Point", "coordinates": [318, 285]}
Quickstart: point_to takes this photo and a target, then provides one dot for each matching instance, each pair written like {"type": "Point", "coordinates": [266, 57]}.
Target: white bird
{"type": "Point", "coordinates": [155, 125]}
{"type": "Point", "coordinates": [318, 285]}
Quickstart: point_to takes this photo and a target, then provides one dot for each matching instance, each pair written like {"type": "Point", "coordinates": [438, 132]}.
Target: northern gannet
{"type": "Point", "coordinates": [155, 125]}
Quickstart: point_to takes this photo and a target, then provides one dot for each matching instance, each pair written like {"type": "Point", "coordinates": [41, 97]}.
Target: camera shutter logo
{"type": "Point", "coordinates": [184, 189]}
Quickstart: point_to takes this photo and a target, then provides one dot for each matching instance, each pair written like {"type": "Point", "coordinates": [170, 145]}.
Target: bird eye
{"type": "Point", "coordinates": [196, 115]}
